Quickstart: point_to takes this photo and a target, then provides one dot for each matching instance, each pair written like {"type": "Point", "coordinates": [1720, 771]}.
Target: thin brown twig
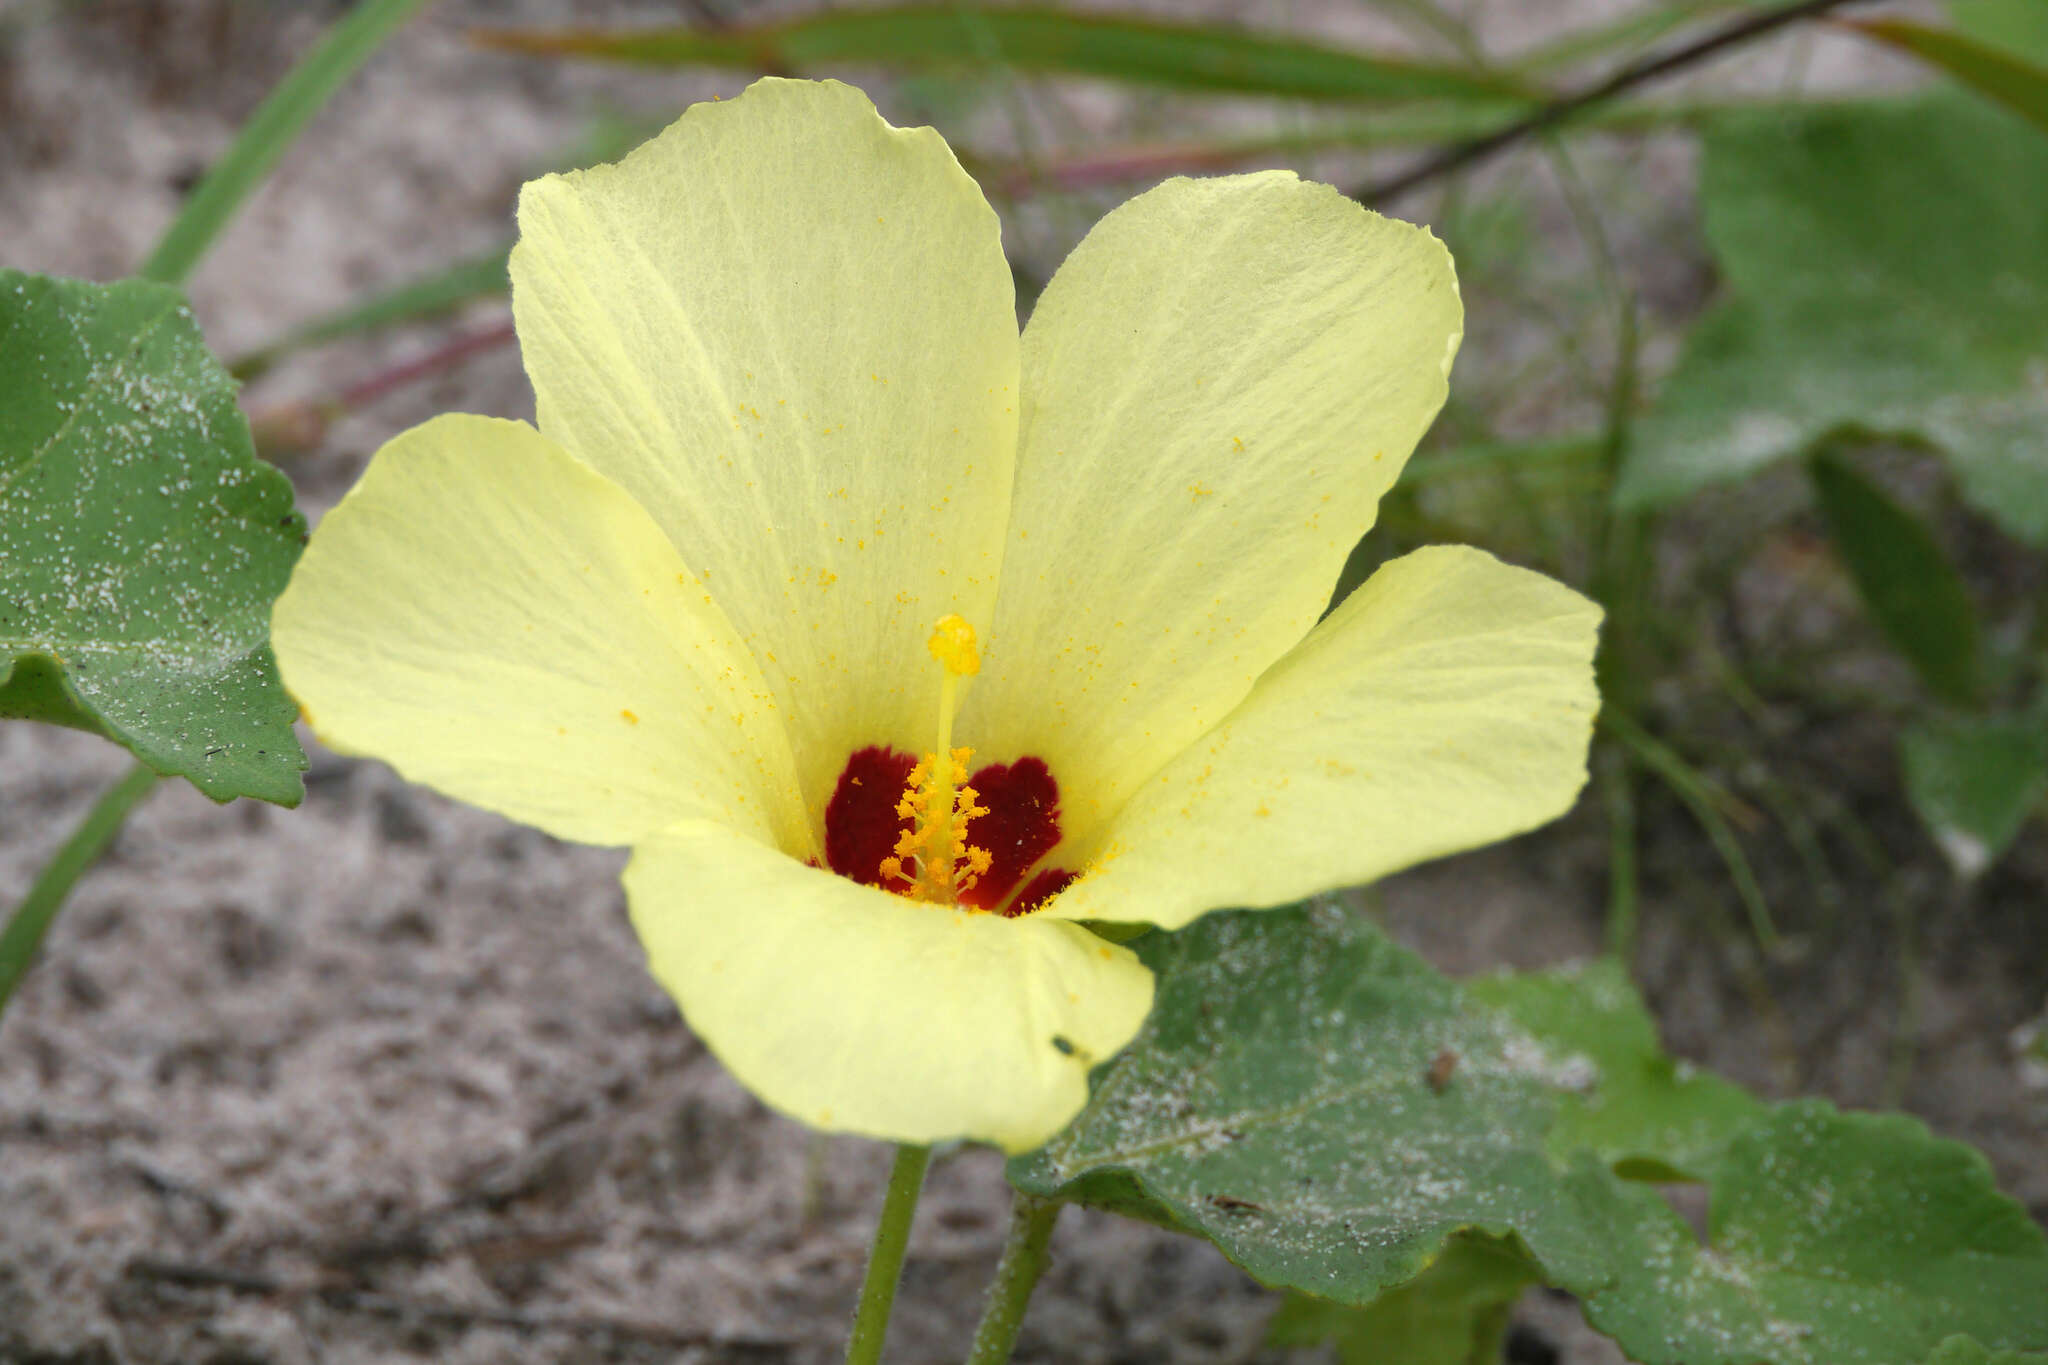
{"type": "Point", "coordinates": [448, 355]}
{"type": "Point", "coordinates": [299, 425]}
{"type": "Point", "coordinates": [1462, 154]}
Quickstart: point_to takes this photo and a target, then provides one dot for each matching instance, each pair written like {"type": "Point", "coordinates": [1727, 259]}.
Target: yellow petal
{"type": "Point", "coordinates": [1219, 384]}
{"type": "Point", "coordinates": [499, 622]}
{"type": "Point", "coordinates": [788, 329]}
{"type": "Point", "coordinates": [1446, 704]}
{"type": "Point", "coordinates": [861, 1012]}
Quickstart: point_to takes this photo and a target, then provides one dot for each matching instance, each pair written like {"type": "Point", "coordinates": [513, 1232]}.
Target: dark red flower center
{"type": "Point", "coordinates": [1021, 826]}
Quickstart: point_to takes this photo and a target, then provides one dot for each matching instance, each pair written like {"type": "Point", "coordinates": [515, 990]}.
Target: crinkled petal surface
{"type": "Point", "coordinates": [504, 624]}
{"type": "Point", "coordinates": [1219, 384]}
{"type": "Point", "coordinates": [858, 1011]}
{"type": "Point", "coordinates": [788, 329]}
{"type": "Point", "coordinates": [1447, 703]}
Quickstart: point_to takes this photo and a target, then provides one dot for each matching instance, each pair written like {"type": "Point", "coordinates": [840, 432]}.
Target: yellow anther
{"type": "Point", "coordinates": [933, 854]}
{"type": "Point", "coordinates": [953, 645]}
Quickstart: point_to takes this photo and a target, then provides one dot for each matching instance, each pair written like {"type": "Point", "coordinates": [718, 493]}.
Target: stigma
{"type": "Point", "coordinates": [932, 860]}
{"type": "Point", "coordinates": [954, 646]}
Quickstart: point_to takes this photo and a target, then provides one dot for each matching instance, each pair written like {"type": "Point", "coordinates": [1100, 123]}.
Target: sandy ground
{"type": "Point", "coordinates": [383, 1078]}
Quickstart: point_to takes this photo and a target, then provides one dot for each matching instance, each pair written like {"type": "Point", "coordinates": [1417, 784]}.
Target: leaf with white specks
{"type": "Point", "coordinates": [1337, 1118]}
{"type": "Point", "coordinates": [1832, 1239]}
{"type": "Point", "coordinates": [1967, 1351]}
{"type": "Point", "coordinates": [141, 540]}
{"type": "Point", "coordinates": [1651, 1116]}
{"type": "Point", "coordinates": [1324, 1107]}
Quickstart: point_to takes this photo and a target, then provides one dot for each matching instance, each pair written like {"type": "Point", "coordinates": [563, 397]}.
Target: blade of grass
{"type": "Point", "coordinates": [1624, 886]}
{"type": "Point", "coordinates": [1699, 796]}
{"type": "Point", "coordinates": [1994, 73]}
{"type": "Point", "coordinates": [1186, 56]}
{"type": "Point", "coordinates": [1636, 29]}
{"type": "Point", "coordinates": [274, 126]}
{"type": "Point", "coordinates": [31, 919]}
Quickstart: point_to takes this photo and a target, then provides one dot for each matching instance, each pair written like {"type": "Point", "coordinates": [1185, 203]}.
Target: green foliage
{"type": "Point", "coordinates": [1453, 1313]}
{"type": "Point", "coordinates": [1905, 579]}
{"type": "Point", "coordinates": [1990, 70]}
{"type": "Point", "coordinates": [1833, 1239]}
{"type": "Point", "coordinates": [1336, 1117]}
{"type": "Point", "coordinates": [1185, 56]}
{"type": "Point", "coordinates": [1974, 781]}
{"type": "Point", "coordinates": [141, 541]}
{"type": "Point", "coordinates": [1967, 1351]}
{"type": "Point", "coordinates": [1322, 1106]}
{"type": "Point", "coordinates": [1647, 1115]}
{"type": "Point", "coordinates": [2018, 26]}
{"type": "Point", "coordinates": [1882, 274]}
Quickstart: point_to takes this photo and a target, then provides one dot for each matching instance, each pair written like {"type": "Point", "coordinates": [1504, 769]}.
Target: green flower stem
{"type": "Point", "coordinates": [885, 1258]}
{"type": "Point", "coordinates": [24, 932]}
{"type": "Point", "coordinates": [274, 126]}
{"type": "Point", "coordinates": [1031, 1221]}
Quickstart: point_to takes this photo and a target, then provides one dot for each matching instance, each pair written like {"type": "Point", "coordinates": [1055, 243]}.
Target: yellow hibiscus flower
{"type": "Point", "coordinates": [898, 646]}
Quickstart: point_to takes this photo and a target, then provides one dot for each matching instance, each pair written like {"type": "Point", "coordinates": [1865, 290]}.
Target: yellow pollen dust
{"type": "Point", "coordinates": [933, 854]}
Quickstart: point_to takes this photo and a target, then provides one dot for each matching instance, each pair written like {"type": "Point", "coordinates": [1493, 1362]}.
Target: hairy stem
{"type": "Point", "coordinates": [1031, 1221]}
{"type": "Point", "coordinates": [885, 1258]}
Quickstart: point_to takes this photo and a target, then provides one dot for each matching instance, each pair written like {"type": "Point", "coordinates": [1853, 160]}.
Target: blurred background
{"type": "Point", "coordinates": [1756, 353]}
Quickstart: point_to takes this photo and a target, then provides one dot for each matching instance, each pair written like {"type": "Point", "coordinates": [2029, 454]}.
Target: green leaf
{"type": "Point", "coordinates": [1454, 1313]}
{"type": "Point", "coordinates": [1967, 1351]}
{"type": "Point", "coordinates": [1643, 1113]}
{"type": "Point", "coordinates": [1974, 780]}
{"type": "Point", "coordinates": [1319, 1104]}
{"type": "Point", "coordinates": [1842, 312]}
{"type": "Point", "coordinates": [1833, 1239]}
{"type": "Point", "coordinates": [1991, 71]}
{"type": "Point", "coordinates": [1905, 579]}
{"type": "Point", "coordinates": [1334, 1116]}
{"type": "Point", "coordinates": [141, 541]}
{"type": "Point", "coordinates": [1121, 47]}
{"type": "Point", "coordinates": [2018, 26]}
